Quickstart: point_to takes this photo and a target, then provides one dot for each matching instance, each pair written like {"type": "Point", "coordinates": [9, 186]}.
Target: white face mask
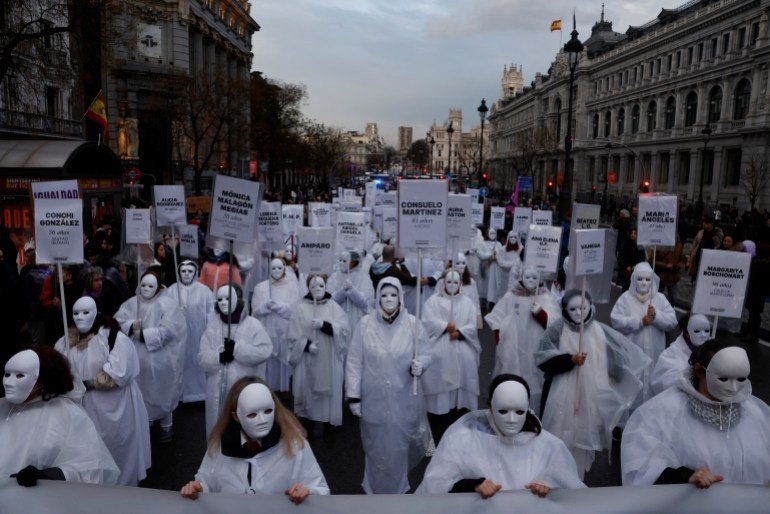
{"type": "Point", "coordinates": [289, 252]}
{"type": "Point", "coordinates": [148, 287]}
{"type": "Point", "coordinates": [84, 313]}
{"type": "Point", "coordinates": [460, 263]}
{"type": "Point", "coordinates": [256, 411]}
{"type": "Point", "coordinates": [699, 329]}
{"type": "Point", "coordinates": [643, 282]}
{"type": "Point", "coordinates": [513, 238]}
{"type": "Point", "coordinates": [728, 373]}
{"type": "Point", "coordinates": [530, 279]}
{"type": "Point", "coordinates": [509, 405]}
{"type": "Point", "coordinates": [218, 252]}
{"type": "Point", "coordinates": [226, 299]}
{"type": "Point", "coordinates": [575, 313]}
{"type": "Point", "coordinates": [21, 373]}
{"type": "Point", "coordinates": [344, 263]}
{"type": "Point", "coordinates": [389, 299]}
{"type": "Point", "coordinates": [492, 234]}
{"type": "Point", "coordinates": [277, 269]}
{"type": "Point", "coordinates": [317, 288]}
{"type": "Point", "coordinates": [187, 274]}
{"type": "Point", "coordinates": [452, 283]}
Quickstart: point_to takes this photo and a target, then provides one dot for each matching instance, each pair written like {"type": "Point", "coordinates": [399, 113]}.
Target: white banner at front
{"type": "Point", "coordinates": [138, 226]}
{"type": "Point", "coordinates": [657, 220]}
{"type": "Point", "coordinates": [458, 223]}
{"type": "Point", "coordinates": [234, 208]}
{"type": "Point", "coordinates": [315, 247]}
{"type": "Point", "coordinates": [389, 223]}
{"type": "Point", "coordinates": [350, 232]}
{"type": "Point", "coordinates": [169, 206]}
{"type": "Point", "coordinates": [319, 214]}
{"type": "Point", "coordinates": [477, 214]}
{"type": "Point", "coordinates": [542, 218]}
{"type": "Point", "coordinates": [522, 219]}
{"type": "Point", "coordinates": [422, 214]}
{"type": "Point", "coordinates": [270, 223]}
{"type": "Point", "coordinates": [58, 211]}
{"type": "Point", "coordinates": [722, 280]}
{"type": "Point", "coordinates": [188, 241]}
{"type": "Point", "coordinates": [585, 216]}
{"type": "Point", "coordinates": [292, 215]}
{"type": "Point", "coordinates": [589, 251]}
{"type": "Point", "coordinates": [543, 245]}
{"type": "Point", "coordinates": [497, 218]}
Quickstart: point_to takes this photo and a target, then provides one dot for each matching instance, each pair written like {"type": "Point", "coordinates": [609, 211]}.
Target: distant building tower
{"type": "Point", "coordinates": [371, 131]}
{"type": "Point", "coordinates": [456, 118]}
{"type": "Point", "coordinates": [513, 81]}
{"type": "Point", "coordinates": [404, 138]}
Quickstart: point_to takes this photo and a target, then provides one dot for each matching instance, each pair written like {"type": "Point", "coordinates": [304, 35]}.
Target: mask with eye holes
{"type": "Point", "coordinates": [728, 373]}
{"type": "Point", "coordinates": [256, 411]}
{"type": "Point", "coordinates": [509, 406]}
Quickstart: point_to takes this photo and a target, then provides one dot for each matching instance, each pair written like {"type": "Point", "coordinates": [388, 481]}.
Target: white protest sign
{"type": "Point", "coordinates": [138, 226]}
{"type": "Point", "coordinates": [473, 193]}
{"type": "Point", "coordinates": [319, 214]}
{"type": "Point", "coordinates": [542, 218]}
{"type": "Point", "coordinates": [585, 216]}
{"type": "Point", "coordinates": [497, 218]}
{"type": "Point", "coordinates": [389, 222]}
{"type": "Point", "coordinates": [292, 219]}
{"type": "Point", "coordinates": [234, 208]}
{"type": "Point", "coordinates": [477, 214]}
{"type": "Point", "coordinates": [722, 280]}
{"type": "Point", "coordinates": [371, 194]}
{"type": "Point", "coordinates": [169, 206]}
{"type": "Point", "coordinates": [367, 215]}
{"type": "Point", "coordinates": [350, 232]}
{"type": "Point", "coordinates": [350, 206]}
{"type": "Point", "coordinates": [388, 199]}
{"type": "Point", "coordinates": [657, 220]}
{"type": "Point", "coordinates": [543, 248]}
{"type": "Point", "coordinates": [315, 248]}
{"type": "Point", "coordinates": [458, 223]}
{"type": "Point", "coordinates": [522, 219]}
{"type": "Point", "coordinates": [270, 223]}
{"type": "Point", "coordinates": [348, 193]}
{"type": "Point", "coordinates": [422, 214]}
{"type": "Point", "coordinates": [589, 251]}
{"type": "Point", "coordinates": [188, 241]}
{"type": "Point", "coordinates": [58, 222]}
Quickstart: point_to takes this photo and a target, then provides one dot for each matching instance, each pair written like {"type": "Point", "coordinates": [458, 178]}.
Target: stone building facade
{"type": "Point", "coordinates": [464, 146]}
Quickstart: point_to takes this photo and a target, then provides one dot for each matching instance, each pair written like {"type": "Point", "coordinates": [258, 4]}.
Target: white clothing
{"type": "Point", "coordinates": [430, 268]}
{"type": "Point", "coordinates": [505, 264]}
{"type": "Point", "coordinates": [470, 291]}
{"type": "Point", "coordinates": [671, 362]}
{"type": "Point", "coordinates": [484, 252]}
{"type": "Point", "coordinates": [358, 299]}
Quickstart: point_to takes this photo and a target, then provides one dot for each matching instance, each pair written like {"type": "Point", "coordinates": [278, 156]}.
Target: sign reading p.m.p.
{"type": "Point", "coordinates": [722, 280]}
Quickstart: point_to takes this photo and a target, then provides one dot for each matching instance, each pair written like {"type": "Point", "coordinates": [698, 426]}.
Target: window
{"type": "Point", "coordinates": [669, 61]}
{"type": "Point", "coordinates": [596, 87]}
{"type": "Point", "coordinates": [714, 47]}
{"type": "Point", "coordinates": [663, 168]}
{"type": "Point", "coordinates": [626, 77]}
{"type": "Point", "coordinates": [641, 72]}
{"type": "Point", "coordinates": [670, 112]}
{"type": "Point", "coordinates": [690, 55]}
{"type": "Point", "coordinates": [733, 166]}
{"type": "Point", "coordinates": [52, 101]}
{"type": "Point", "coordinates": [634, 74]}
{"type": "Point", "coordinates": [557, 108]}
{"type": "Point", "coordinates": [630, 166]}
{"type": "Point", "coordinates": [700, 52]}
{"type": "Point", "coordinates": [725, 43]}
{"type": "Point", "coordinates": [652, 111]}
{"type": "Point", "coordinates": [652, 68]}
{"type": "Point", "coordinates": [596, 125]}
{"type": "Point", "coordinates": [754, 34]}
{"type": "Point", "coordinates": [715, 104]}
{"type": "Point", "coordinates": [708, 166]}
{"type": "Point", "coordinates": [742, 96]}
{"type": "Point", "coordinates": [621, 121]}
{"type": "Point", "coordinates": [691, 109]}
{"type": "Point", "coordinates": [607, 123]}
{"type": "Point", "coordinates": [684, 168]}
{"type": "Point", "coordinates": [678, 58]}
{"type": "Point", "coordinates": [741, 37]}
{"type": "Point", "coordinates": [635, 119]}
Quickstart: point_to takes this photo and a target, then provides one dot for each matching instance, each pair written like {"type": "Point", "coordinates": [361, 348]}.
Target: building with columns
{"type": "Point", "coordinates": [464, 146]}
{"type": "Point", "coordinates": [643, 99]}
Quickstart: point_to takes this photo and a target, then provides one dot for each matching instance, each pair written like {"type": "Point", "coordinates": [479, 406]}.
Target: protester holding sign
{"type": "Point", "coordinates": [696, 330]}
{"type": "Point", "coordinates": [351, 287]}
{"type": "Point", "coordinates": [644, 315]}
{"type": "Point", "coordinates": [468, 287]}
{"type": "Point", "coordinates": [506, 263]}
{"type": "Point", "coordinates": [216, 270]}
{"type": "Point", "coordinates": [485, 251]}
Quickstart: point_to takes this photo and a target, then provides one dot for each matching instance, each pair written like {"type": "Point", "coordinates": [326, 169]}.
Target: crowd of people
{"type": "Point", "coordinates": [276, 355]}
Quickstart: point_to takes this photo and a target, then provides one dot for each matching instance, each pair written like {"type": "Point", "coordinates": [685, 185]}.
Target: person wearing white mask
{"type": "Point", "coordinates": [351, 287]}
{"type": "Point", "coordinates": [588, 388]}
{"type": "Point", "coordinates": [45, 434]}
{"type": "Point", "coordinates": [257, 447]}
{"type": "Point", "coordinates": [519, 320]}
{"type": "Point", "coordinates": [559, 286]}
{"type": "Point", "coordinates": [468, 287]}
{"type": "Point", "coordinates": [451, 384]}
{"type": "Point", "coordinates": [272, 304]}
{"type": "Point", "coordinates": [485, 250]}
{"type": "Point", "coordinates": [644, 315]}
{"type": "Point", "coordinates": [159, 334]}
{"type": "Point", "coordinates": [709, 428]}
{"type": "Point", "coordinates": [431, 272]}
{"type": "Point", "coordinates": [388, 349]}
{"type": "Point", "coordinates": [505, 261]}
{"type": "Point", "coordinates": [474, 264]}
{"type": "Point", "coordinates": [675, 359]}
{"type": "Point", "coordinates": [245, 353]}
{"type": "Point", "coordinates": [106, 361]}
{"type": "Point", "coordinates": [197, 303]}
{"type": "Point", "coordinates": [503, 447]}
{"type": "Point", "coordinates": [318, 337]}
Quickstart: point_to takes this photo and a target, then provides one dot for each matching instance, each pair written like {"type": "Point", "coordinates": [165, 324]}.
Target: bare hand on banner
{"type": "Point", "coordinates": [703, 478]}
{"type": "Point", "coordinates": [538, 489]}
{"type": "Point", "coordinates": [191, 490]}
{"type": "Point", "coordinates": [579, 358]}
{"type": "Point", "coordinates": [297, 493]}
{"type": "Point", "coordinates": [487, 488]}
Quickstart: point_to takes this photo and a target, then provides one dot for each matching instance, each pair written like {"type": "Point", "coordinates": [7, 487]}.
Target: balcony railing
{"type": "Point", "coordinates": [39, 125]}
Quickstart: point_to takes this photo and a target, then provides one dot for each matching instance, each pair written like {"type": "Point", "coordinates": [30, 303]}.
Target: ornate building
{"type": "Point", "coordinates": [679, 101]}
{"type": "Point", "coordinates": [464, 146]}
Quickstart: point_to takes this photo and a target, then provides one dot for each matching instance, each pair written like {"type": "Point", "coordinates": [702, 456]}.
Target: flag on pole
{"type": "Point", "coordinates": [555, 25]}
{"type": "Point", "coordinates": [97, 112]}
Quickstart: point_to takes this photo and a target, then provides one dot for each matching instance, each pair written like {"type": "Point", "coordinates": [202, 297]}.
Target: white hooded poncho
{"type": "Point", "coordinates": [356, 301]}
{"type": "Point", "coordinates": [470, 291]}
{"type": "Point", "coordinates": [671, 363]}
{"type": "Point", "coordinates": [505, 264]}
{"type": "Point", "coordinates": [430, 268]}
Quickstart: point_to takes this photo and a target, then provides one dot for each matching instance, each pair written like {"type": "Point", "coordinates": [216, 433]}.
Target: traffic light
{"type": "Point", "coordinates": [549, 187]}
{"type": "Point", "coordinates": [645, 187]}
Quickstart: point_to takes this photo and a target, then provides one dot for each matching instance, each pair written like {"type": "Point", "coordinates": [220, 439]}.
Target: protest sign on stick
{"type": "Point", "coordinates": [319, 214]}
{"type": "Point", "coordinates": [720, 290]}
{"type": "Point", "coordinates": [292, 215]}
{"type": "Point", "coordinates": [270, 223]}
{"type": "Point", "coordinates": [477, 214]}
{"type": "Point", "coordinates": [522, 219]}
{"type": "Point", "coordinates": [543, 244]}
{"type": "Point", "coordinates": [458, 224]}
{"type": "Point", "coordinates": [389, 223]}
{"type": "Point", "coordinates": [315, 248]}
{"type": "Point", "coordinates": [542, 218]}
{"type": "Point", "coordinates": [188, 241]}
{"type": "Point", "coordinates": [585, 216]}
{"type": "Point", "coordinates": [350, 235]}
{"type": "Point", "coordinates": [497, 218]}
{"type": "Point", "coordinates": [170, 211]}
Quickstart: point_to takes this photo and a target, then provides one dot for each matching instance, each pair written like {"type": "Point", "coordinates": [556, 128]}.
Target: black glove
{"type": "Point", "coordinates": [29, 476]}
{"type": "Point", "coordinates": [89, 384]}
{"type": "Point", "coordinates": [226, 355]}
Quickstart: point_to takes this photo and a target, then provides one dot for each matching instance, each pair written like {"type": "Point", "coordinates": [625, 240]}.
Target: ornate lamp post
{"type": "Point", "coordinates": [573, 48]}
{"type": "Point", "coordinates": [449, 132]}
{"type": "Point", "coordinates": [706, 132]}
{"type": "Point", "coordinates": [432, 143]}
{"type": "Point", "coordinates": [482, 116]}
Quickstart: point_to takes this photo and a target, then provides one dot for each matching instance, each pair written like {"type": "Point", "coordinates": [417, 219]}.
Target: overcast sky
{"type": "Point", "coordinates": [406, 62]}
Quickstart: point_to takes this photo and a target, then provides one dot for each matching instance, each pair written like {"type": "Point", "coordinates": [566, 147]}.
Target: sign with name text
{"type": "Point", "coordinates": [315, 248]}
{"type": "Point", "coordinates": [319, 214]}
{"type": "Point", "coordinates": [58, 215]}
{"type": "Point", "coordinates": [585, 216]}
{"type": "Point", "coordinates": [234, 209]}
{"type": "Point", "coordinates": [543, 245]}
{"type": "Point", "coordinates": [350, 232]}
{"type": "Point", "coordinates": [589, 251]}
{"type": "Point", "coordinates": [422, 214]}
{"type": "Point", "coordinates": [497, 218]}
{"type": "Point", "coordinates": [170, 206]}
{"type": "Point", "coordinates": [542, 218]}
{"type": "Point", "coordinates": [657, 220]}
{"type": "Point", "coordinates": [188, 241]}
{"type": "Point", "coordinates": [723, 277]}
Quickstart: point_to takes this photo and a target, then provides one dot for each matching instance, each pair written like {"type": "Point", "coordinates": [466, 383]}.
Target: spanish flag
{"type": "Point", "coordinates": [97, 112]}
{"type": "Point", "coordinates": [555, 25]}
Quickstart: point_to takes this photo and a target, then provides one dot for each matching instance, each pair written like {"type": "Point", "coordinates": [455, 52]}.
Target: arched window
{"type": "Point", "coordinates": [596, 125]}
{"type": "Point", "coordinates": [742, 96]}
{"type": "Point", "coordinates": [621, 121]}
{"type": "Point", "coordinates": [635, 113]}
{"type": "Point", "coordinates": [691, 109]}
{"type": "Point", "coordinates": [670, 112]}
{"type": "Point", "coordinates": [557, 125]}
{"type": "Point", "coordinates": [607, 123]}
{"type": "Point", "coordinates": [652, 112]}
{"type": "Point", "coordinates": [715, 104]}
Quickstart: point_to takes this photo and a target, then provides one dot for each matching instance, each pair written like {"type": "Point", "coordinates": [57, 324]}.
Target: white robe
{"type": "Point", "coordinates": [197, 303]}
{"type": "Point", "coordinates": [120, 415]}
{"type": "Point", "coordinates": [471, 449]}
{"type": "Point", "coordinates": [318, 378]}
{"type": "Point", "coordinates": [663, 433]}
{"type": "Point", "coordinates": [356, 301]}
{"type": "Point", "coordinates": [484, 252]}
{"type": "Point", "coordinates": [430, 268]}
{"type": "Point", "coordinates": [671, 362]}
{"type": "Point", "coordinates": [470, 291]}
{"type": "Point", "coordinates": [500, 269]}
{"type": "Point", "coordinates": [471, 258]}
{"type": "Point", "coordinates": [285, 293]}
{"type": "Point", "coordinates": [452, 381]}
{"type": "Point", "coordinates": [252, 349]}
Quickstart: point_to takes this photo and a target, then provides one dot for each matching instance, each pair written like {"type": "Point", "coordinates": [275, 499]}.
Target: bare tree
{"type": "Point", "coordinates": [419, 153]}
{"type": "Point", "coordinates": [530, 145]}
{"type": "Point", "coordinates": [325, 145]}
{"type": "Point", "coordinates": [754, 180]}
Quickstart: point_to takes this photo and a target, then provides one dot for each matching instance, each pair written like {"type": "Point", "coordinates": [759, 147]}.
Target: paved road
{"type": "Point", "coordinates": [340, 454]}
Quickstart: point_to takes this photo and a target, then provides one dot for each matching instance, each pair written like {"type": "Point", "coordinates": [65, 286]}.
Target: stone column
{"type": "Point", "coordinates": [693, 187]}
{"type": "Point", "coordinates": [716, 176]}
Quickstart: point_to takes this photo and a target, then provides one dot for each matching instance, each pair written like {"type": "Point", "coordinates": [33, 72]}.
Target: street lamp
{"type": "Point", "coordinates": [482, 115]}
{"type": "Point", "coordinates": [429, 139]}
{"type": "Point", "coordinates": [573, 48]}
{"type": "Point", "coordinates": [706, 136]}
{"type": "Point", "coordinates": [449, 132]}
{"type": "Point", "coordinates": [608, 146]}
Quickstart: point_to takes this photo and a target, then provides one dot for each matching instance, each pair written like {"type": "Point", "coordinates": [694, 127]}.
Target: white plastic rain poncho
{"type": "Point", "coordinates": [627, 317]}
{"type": "Point", "coordinates": [285, 293]}
{"type": "Point", "coordinates": [160, 350]}
{"type": "Point", "coordinates": [356, 300]}
{"type": "Point", "coordinates": [197, 302]}
{"type": "Point", "coordinates": [318, 378]}
{"type": "Point", "coordinates": [394, 426]}
{"type": "Point", "coordinates": [471, 449]}
{"type": "Point", "coordinates": [608, 383]}
{"type": "Point", "coordinates": [431, 269]}
{"type": "Point", "coordinates": [252, 349]}
{"type": "Point", "coordinates": [520, 333]}
{"type": "Point", "coordinates": [504, 263]}
{"type": "Point", "coordinates": [452, 381]}
{"type": "Point", "coordinates": [665, 433]}
{"type": "Point", "coordinates": [671, 363]}
{"type": "Point", "coordinates": [470, 290]}
{"type": "Point", "coordinates": [54, 434]}
{"type": "Point", "coordinates": [120, 415]}
{"type": "Point", "coordinates": [484, 251]}
{"type": "Point", "coordinates": [474, 264]}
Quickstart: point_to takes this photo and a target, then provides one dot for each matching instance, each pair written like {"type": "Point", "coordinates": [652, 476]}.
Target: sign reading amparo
{"type": "Point", "coordinates": [722, 280]}
{"type": "Point", "coordinates": [315, 248]}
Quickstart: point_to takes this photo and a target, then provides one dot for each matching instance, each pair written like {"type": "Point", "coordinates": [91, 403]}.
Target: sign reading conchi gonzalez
{"type": "Point", "coordinates": [589, 251]}
{"type": "Point", "coordinates": [316, 250]}
{"type": "Point", "coordinates": [188, 241]}
{"type": "Point", "coordinates": [543, 244]}
{"type": "Point", "coordinates": [422, 214]}
{"type": "Point", "coordinates": [138, 226]}
{"type": "Point", "coordinates": [657, 220]}
{"type": "Point", "coordinates": [58, 212]}
{"type": "Point", "coordinates": [722, 280]}
{"type": "Point", "coordinates": [170, 206]}
{"type": "Point", "coordinates": [585, 216]}
{"type": "Point", "coordinates": [235, 209]}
